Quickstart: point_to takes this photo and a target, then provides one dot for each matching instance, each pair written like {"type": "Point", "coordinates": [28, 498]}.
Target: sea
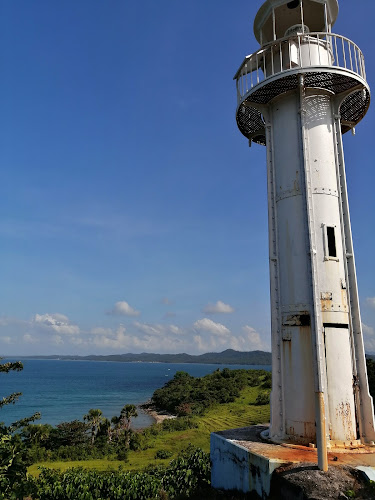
{"type": "Point", "coordinates": [64, 390]}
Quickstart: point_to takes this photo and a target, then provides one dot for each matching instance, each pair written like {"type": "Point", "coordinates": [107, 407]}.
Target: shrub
{"type": "Point", "coordinates": [122, 453]}
{"type": "Point", "coordinates": [263, 398]}
{"type": "Point", "coordinates": [178, 424]}
{"type": "Point", "coordinates": [163, 454]}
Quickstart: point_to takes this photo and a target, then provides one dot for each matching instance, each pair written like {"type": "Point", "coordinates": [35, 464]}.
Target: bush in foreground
{"type": "Point", "coordinates": [184, 476]}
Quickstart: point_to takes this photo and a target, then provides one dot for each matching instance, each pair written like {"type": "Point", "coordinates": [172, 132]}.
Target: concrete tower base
{"type": "Point", "coordinates": [242, 461]}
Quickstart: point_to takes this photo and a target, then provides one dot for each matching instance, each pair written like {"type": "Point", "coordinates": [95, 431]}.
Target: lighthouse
{"type": "Point", "coordinates": [297, 95]}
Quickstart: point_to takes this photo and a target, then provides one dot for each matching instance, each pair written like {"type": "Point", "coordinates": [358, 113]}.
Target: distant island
{"type": "Point", "coordinates": [229, 356]}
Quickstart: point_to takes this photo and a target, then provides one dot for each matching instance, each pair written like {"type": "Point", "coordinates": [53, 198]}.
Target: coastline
{"type": "Point", "coordinates": [158, 416]}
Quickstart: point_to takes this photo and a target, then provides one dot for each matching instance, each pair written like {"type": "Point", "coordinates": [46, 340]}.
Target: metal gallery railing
{"type": "Point", "coordinates": [299, 51]}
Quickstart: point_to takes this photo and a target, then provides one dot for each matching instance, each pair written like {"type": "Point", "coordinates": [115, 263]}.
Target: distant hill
{"type": "Point", "coordinates": [230, 357]}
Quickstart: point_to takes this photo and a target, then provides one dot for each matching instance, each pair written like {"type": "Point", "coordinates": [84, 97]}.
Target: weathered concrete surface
{"type": "Point", "coordinates": [307, 482]}
{"type": "Point", "coordinates": [242, 461]}
{"type": "Point", "coordinates": [234, 467]}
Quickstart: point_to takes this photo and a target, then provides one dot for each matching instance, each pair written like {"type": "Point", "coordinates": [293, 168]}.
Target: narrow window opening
{"type": "Point", "coordinates": [293, 4]}
{"type": "Point", "coordinates": [332, 252]}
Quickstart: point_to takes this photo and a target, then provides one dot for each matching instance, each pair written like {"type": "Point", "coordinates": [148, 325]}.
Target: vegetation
{"type": "Point", "coordinates": [172, 435]}
{"type": "Point", "coordinates": [121, 463]}
{"type": "Point", "coordinates": [118, 462]}
{"type": "Point", "coordinates": [94, 419]}
{"type": "Point", "coordinates": [189, 472]}
{"type": "Point", "coordinates": [185, 395]}
{"type": "Point", "coordinates": [13, 452]}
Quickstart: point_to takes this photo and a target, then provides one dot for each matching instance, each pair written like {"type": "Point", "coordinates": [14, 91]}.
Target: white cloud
{"type": "Point", "coordinates": [29, 339]}
{"type": "Point", "coordinates": [101, 331]}
{"type": "Point", "coordinates": [371, 301]}
{"type": "Point", "coordinates": [6, 321]}
{"type": "Point", "coordinates": [57, 339]}
{"type": "Point", "coordinates": [56, 322]}
{"type": "Point", "coordinates": [122, 308]}
{"type": "Point", "coordinates": [157, 330]}
{"type": "Point", "coordinates": [76, 341]}
{"type": "Point", "coordinates": [207, 325]}
{"type": "Point", "coordinates": [6, 340]}
{"type": "Point", "coordinates": [249, 341]}
{"type": "Point", "coordinates": [136, 343]}
{"type": "Point", "coordinates": [205, 344]}
{"type": "Point", "coordinates": [218, 308]}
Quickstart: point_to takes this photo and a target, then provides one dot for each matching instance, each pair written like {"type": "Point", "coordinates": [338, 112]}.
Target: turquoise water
{"type": "Point", "coordinates": [66, 390]}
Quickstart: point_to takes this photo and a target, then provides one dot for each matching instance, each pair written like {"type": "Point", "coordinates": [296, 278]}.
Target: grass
{"type": "Point", "coordinates": [241, 413]}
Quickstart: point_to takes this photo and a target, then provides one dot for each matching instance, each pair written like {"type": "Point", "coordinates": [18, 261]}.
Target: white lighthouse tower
{"type": "Point", "coordinates": [297, 95]}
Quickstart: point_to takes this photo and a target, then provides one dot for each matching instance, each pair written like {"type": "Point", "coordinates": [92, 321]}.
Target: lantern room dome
{"type": "Point", "coordinates": [275, 17]}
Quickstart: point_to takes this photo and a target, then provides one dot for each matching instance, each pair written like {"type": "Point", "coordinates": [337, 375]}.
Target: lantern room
{"type": "Point", "coordinates": [282, 18]}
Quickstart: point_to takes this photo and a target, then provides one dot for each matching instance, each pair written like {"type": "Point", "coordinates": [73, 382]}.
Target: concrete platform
{"type": "Point", "coordinates": [242, 461]}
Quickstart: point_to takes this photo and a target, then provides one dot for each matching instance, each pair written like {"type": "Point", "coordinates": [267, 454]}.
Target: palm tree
{"type": "Point", "coordinates": [127, 413]}
{"type": "Point", "coordinates": [94, 418]}
{"type": "Point", "coordinates": [115, 429]}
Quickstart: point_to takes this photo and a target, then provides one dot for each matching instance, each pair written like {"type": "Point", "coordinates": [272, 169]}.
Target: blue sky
{"type": "Point", "coordinates": [133, 213]}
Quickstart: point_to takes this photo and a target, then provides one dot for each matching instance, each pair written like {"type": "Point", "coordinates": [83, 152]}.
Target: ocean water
{"type": "Point", "coordinates": [65, 390]}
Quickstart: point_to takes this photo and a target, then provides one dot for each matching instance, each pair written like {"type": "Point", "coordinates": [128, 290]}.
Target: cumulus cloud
{"type": "Point", "coordinates": [371, 302]}
{"type": "Point", "coordinates": [157, 330]}
{"type": "Point", "coordinates": [101, 331]}
{"type": "Point", "coordinates": [57, 340]}
{"type": "Point", "coordinates": [29, 339]}
{"type": "Point", "coordinates": [56, 322]}
{"type": "Point", "coordinates": [6, 340]}
{"type": "Point", "coordinates": [6, 321]}
{"type": "Point", "coordinates": [122, 308]}
{"type": "Point", "coordinates": [250, 340]}
{"type": "Point", "coordinates": [218, 308]}
{"type": "Point", "coordinates": [209, 326]}
{"type": "Point", "coordinates": [77, 341]}
{"type": "Point", "coordinates": [212, 343]}
{"type": "Point", "coordinates": [120, 339]}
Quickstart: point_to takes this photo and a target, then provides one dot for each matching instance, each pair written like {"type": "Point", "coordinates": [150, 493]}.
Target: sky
{"type": "Point", "coordinates": [133, 215]}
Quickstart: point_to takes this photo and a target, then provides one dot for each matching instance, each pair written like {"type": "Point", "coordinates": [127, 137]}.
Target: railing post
{"type": "Point", "coordinates": [264, 64]}
{"type": "Point", "coordinates": [343, 51]}
{"type": "Point", "coordinates": [355, 58]}
{"type": "Point", "coordinates": [281, 56]}
{"type": "Point", "coordinates": [350, 55]}
{"type": "Point", "coordinates": [320, 62]}
{"type": "Point", "coordinates": [337, 54]}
